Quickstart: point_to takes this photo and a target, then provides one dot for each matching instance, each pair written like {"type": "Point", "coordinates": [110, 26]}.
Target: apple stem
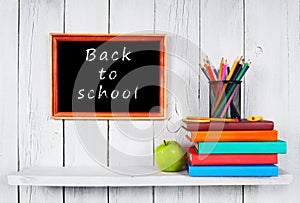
{"type": "Point", "coordinates": [165, 143]}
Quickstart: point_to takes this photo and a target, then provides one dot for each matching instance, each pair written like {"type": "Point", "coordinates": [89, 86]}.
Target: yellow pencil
{"type": "Point", "coordinates": [236, 61]}
{"type": "Point", "coordinates": [200, 119]}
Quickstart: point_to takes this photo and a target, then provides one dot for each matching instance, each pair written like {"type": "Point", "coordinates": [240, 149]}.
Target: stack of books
{"type": "Point", "coordinates": [233, 149]}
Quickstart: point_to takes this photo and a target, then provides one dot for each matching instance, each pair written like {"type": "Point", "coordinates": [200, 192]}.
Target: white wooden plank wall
{"type": "Point", "coordinates": [180, 21]}
{"type": "Point", "coordinates": [221, 36]}
{"type": "Point", "coordinates": [267, 31]}
{"type": "Point", "coordinates": [274, 46]}
{"type": "Point", "coordinates": [40, 138]}
{"type": "Point", "coordinates": [9, 97]}
{"type": "Point", "coordinates": [83, 17]}
{"type": "Point", "coordinates": [130, 142]}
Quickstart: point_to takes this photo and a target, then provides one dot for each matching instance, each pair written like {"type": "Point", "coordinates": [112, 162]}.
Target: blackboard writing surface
{"type": "Point", "coordinates": [108, 76]}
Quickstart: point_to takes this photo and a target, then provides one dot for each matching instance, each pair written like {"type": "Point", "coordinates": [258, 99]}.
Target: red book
{"type": "Point", "coordinates": [218, 126]}
{"type": "Point", "coordinates": [196, 159]}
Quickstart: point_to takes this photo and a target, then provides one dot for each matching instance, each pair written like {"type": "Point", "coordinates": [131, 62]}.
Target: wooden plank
{"type": "Point", "coordinates": [269, 62]}
{"type": "Point", "coordinates": [81, 17]}
{"type": "Point", "coordinates": [272, 87]}
{"type": "Point", "coordinates": [86, 141]}
{"type": "Point", "coordinates": [130, 142]}
{"type": "Point", "coordinates": [291, 161]}
{"type": "Point", "coordinates": [131, 17]}
{"type": "Point", "coordinates": [102, 177]}
{"type": "Point", "coordinates": [40, 141]}
{"type": "Point", "coordinates": [219, 194]}
{"type": "Point", "coordinates": [180, 21]}
{"type": "Point", "coordinates": [221, 36]}
{"type": "Point", "coordinates": [176, 194]}
{"type": "Point", "coordinates": [9, 97]}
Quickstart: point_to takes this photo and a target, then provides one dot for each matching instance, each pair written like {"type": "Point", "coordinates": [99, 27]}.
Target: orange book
{"type": "Point", "coordinates": [231, 136]}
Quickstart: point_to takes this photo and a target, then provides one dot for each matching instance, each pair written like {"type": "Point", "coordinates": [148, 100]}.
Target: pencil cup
{"type": "Point", "coordinates": [225, 99]}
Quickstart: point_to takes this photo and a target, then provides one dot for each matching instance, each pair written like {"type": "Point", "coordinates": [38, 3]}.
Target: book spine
{"type": "Point", "coordinates": [248, 170]}
{"type": "Point", "coordinates": [231, 159]}
{"type": "Point", "coordinates": [278, 147]}
{"type": "Point", "coordinates": [227, 136]}
{"type": "Point", "coordinates": [189, 126]}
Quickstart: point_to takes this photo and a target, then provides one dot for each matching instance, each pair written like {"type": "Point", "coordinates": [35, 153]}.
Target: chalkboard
{"type": "Point", "coordinates": [108, 76]}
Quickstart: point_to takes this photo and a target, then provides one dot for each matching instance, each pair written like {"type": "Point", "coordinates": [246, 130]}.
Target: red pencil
{"type": "Point", "coordinates": [209, 71]}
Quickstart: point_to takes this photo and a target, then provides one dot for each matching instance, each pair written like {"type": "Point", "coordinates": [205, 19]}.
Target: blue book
{"type": "Point", "coordinates": [277, 147]}
{"type": "Point", "coordinates": [233, 170]}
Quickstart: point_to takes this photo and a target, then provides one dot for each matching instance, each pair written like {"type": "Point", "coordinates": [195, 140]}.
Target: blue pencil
{"type": "Point", "coordinates": [236, 72]}
{"type": "Point", "coordinates": [205, 73]}
{"type": "Point", "coordinates": [215, 73]}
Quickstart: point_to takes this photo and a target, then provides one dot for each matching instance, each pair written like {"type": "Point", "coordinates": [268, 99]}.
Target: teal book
{"type": "Point", "coordinates": [277, 147]}
{"type": "Point", "coordinates": [234, 170]}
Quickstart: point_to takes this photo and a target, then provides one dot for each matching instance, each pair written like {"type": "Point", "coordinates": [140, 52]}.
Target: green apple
{"type": "Point", "coordinates": [169, 156]}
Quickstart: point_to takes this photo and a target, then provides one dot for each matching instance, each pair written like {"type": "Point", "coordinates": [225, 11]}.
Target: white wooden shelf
{"type": "Point", "coordinates": [102, 177]}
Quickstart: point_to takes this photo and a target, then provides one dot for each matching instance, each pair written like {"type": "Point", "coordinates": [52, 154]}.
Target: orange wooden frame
{"type": "Point", "coordinates": [55, 38]}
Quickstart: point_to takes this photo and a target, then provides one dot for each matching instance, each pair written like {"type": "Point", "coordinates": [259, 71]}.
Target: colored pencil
{"type": "Point", "coordinates": [222, 76]}
{"type": "Point", "coordinates": [215, 73]}
{"type": "Point", "coordinates": [224, 70]}
{"type": "Point", "coordinates": [228, 78]}
{"type": "Point", "coordinates": [233, 68]}
{"type": "Point", "coordinates": [243, 71]}
{"type": "Point", "coordinates": [205, 73]}
{"type": "Point", "coordinates": [222, 101]}
{"type": "Point", "coordinates": [209, 72]}
{"type": "Point", "coordinates": [230, 92]}
{"type": "Point", "coordinates": [235, 74]}
{"type": "Point", "coordinates": [221, 68]}
{"type": "Point", "coordinates": [229, 101]}
{"type": "Point", "coordinates": [236, 71]}
{"type": "Point", "coordinates": [200, 119]}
